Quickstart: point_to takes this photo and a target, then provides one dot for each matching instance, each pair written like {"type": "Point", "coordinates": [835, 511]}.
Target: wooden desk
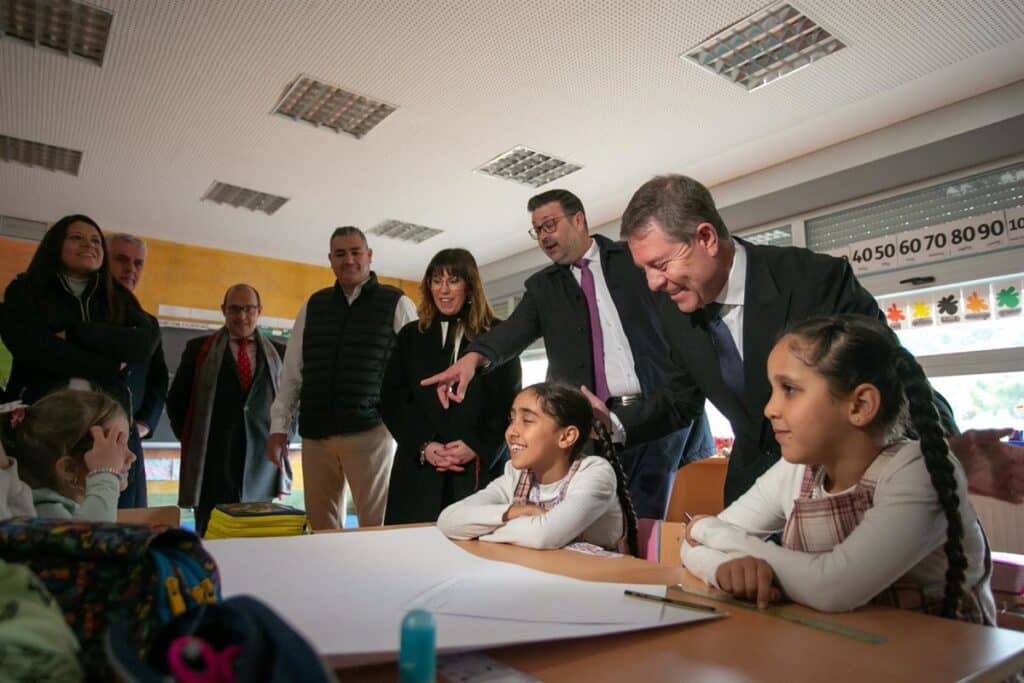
{"type": "Point", "coordinates": [744, 646]}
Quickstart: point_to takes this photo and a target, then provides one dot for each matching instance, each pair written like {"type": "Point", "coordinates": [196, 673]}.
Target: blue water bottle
{"type": "Point", "coordinates": [417, 660]}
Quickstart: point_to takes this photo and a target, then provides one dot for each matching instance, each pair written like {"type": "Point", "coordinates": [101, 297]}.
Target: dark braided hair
{"type": "Point", "coordinates": [569, 407]}
{"type": "Point", "coordinates": [850, 350]}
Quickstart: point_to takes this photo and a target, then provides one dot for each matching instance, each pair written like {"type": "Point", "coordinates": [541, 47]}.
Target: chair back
{"type": "Point", "coordinates": [699, 489]}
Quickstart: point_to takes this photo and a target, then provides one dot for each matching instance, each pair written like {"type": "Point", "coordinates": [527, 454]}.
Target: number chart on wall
{"type": "Point", "coordinates": [962, 237]}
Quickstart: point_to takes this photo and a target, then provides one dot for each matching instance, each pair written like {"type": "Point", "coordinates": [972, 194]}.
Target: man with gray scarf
{"type": "Point", "coordinates": [219, 406]}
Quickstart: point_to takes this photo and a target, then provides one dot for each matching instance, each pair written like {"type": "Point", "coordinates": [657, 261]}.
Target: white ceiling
{"type": "Point", "coordinates": [185, 93]}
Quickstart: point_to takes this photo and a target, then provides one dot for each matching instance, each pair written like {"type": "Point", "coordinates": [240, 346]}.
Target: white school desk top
{"type": "Point", "coordinates": [745, 646]}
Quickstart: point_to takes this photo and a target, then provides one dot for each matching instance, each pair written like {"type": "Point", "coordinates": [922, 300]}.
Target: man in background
{"type": "Point", "coordinates": [219, 407]}
{"type": "Point", "coordinates": [147, 382]}
{"type": "Point", "coordinates": [337, 354]}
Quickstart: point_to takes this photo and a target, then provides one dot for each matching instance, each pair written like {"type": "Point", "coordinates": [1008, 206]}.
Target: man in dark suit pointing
{"type": "Point", "coordinates": [600, 332]}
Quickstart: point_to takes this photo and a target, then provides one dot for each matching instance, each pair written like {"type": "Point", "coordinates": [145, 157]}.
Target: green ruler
{"type": "Point", "coordinates": [786, 615]}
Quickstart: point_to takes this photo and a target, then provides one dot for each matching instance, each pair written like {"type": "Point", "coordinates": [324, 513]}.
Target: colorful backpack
{"type": "Point", "coordinates": [105, 573]}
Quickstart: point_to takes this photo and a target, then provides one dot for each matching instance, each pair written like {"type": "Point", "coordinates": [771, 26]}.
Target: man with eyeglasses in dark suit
{"type": "Point", "coordinates": [600, 330]}
{"type": "Point", "coordinates": [219, 407]}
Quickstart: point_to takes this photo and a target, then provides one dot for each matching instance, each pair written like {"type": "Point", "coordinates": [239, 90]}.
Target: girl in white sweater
{"type": "Point", "coordinates": [864, 517]}
{"type": "Point", "coordinates": [550, 494]}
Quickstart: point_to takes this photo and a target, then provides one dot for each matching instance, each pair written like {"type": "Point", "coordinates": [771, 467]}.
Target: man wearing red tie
{"type": "Point", "coordinates": [219, 406]}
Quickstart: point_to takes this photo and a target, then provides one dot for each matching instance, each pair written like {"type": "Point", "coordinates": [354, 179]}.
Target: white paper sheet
{"type": "Point", "coordinates": [347, 593]}
{"type": "Point", "coordinates": [543, 598]}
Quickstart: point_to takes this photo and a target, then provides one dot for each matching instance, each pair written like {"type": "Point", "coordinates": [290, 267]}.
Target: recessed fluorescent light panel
{"type": "Point", "coordinates": [244, 198]}
{"type": "Point", "coordinates": [73, 28]}
{"type": "Point", "coordinates": [38, 154]}
{"type": "Point", "coordinates": [332, 107]}
{"type": "Point", "coordinates": [526, 166]}
{"type": "Point", "coordinates": [406, 232]}
{"type": "Point", "coordinates": [767, 45]}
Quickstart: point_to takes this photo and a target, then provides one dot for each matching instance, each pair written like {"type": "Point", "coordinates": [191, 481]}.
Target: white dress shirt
{"type": "Point", "coordinates": [290, 384]}
{"type": "Point", "coordinates": [618, 355]}
{"type": "Point", "coordinates": [731, 296]}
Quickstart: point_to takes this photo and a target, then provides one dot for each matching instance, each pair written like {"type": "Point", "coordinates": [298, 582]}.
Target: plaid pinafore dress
{"type": "Point", "coordinates": [817, 525]}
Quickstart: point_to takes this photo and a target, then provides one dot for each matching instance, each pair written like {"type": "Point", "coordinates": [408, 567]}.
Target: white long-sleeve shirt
{"type": "Point", "coordinates": [290, 383]}
{"type": "Point", "coordinates": [901, 534]}
{"type": "Point", "coordinates": [590, 511]}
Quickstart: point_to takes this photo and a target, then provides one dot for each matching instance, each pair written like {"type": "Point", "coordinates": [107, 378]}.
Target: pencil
{"type": "Point", "coordinates": [677, 603]}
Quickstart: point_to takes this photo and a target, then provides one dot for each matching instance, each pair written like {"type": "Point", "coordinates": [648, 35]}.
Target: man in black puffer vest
{"type": "Point", "coordinates": [333, 368]}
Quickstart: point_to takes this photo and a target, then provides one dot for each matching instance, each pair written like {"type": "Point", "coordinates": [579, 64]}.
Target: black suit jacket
{"type": "Point", "coordinates": [417, 493]}
{"type": "Point", "coordinates": [236, 466]}
{"type": "Point", "coordinates": [554, 308]}
{"type": "Point", "coordinates": [785, 285]}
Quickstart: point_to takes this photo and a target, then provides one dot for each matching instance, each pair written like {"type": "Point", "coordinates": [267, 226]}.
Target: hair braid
{"type": "Point", "coordinates": [925, 420]}
{"type": "Point", "coordinates": [608, 451]}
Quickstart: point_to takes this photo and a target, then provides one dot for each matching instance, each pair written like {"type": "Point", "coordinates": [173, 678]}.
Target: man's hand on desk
{"type": "Point", "coordinates": [993, 467]}
{"type": "Point", "coordinates": [453, 382]}
{"type": "Point", "coordinates": [521, 511]}
{"type": "Point", "coordinates": [749, 578]}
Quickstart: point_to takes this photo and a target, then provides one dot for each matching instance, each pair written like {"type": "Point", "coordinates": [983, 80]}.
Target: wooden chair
{"type": "Point", "coordinates": [698, 490]}
{"type": "Point", "coordinates": [168, 514]}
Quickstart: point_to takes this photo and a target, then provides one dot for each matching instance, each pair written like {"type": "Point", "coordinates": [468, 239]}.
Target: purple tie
{"type": "Point", "coordinates": [596, 334]}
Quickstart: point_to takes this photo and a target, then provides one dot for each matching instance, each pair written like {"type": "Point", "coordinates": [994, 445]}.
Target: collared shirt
{"type": "Point", "coordinates": [618, 355]}
{"type": "Point", "coordinates": [731, 296]}
{"type": "Point", "coordinates": [250, 350]}
{"type": "Point", "coordinates": [290, 383]}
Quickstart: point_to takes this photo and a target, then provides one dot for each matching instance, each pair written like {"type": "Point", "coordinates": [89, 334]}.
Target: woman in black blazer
{"type": "Point", "coordinates": [443, 455]}
{"type": "Point", "coordinates": [67, 323]}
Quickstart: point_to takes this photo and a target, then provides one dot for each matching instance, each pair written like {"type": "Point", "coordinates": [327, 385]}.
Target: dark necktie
{"type": "Point", "coordinates": [449, 340]}
{"type": "Point", "coordinates": [596, 333]}
{"type": "Point", "coordinates": [729, 362]}
{"type": "Point", "coordinates": [244, 365]}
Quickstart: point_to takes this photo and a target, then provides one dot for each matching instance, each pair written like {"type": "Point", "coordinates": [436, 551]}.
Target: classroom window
{"type": "Point", "coordinates": [985, 401]}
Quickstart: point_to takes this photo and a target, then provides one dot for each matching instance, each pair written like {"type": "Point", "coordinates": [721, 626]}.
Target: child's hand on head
{"type": "Point", "coordinates": [109, 448]}
{"type": "Point", "coordinates": [749, 578]}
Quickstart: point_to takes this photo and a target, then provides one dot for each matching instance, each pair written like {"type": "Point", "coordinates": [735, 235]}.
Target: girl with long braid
{"type": "Point", "coordinates": [550, 494]}
{"type": "Point", "coordinates": [865, 515]}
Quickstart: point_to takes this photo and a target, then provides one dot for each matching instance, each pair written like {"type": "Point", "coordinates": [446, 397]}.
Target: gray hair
{"type": "Point", "coordinates": [346, 230]}
{"type": "Point", "coordinates": [678, 203]}
{"type": "Point", "coordinates": [125, 237]}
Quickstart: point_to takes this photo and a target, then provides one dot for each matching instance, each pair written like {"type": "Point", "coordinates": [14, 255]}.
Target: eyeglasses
{"type": "Point", "coordinates": [239, 310]}
{"type": "Point", "coordinates": [547, 227]}
{"type": "Point", "coordinates": [452, 281]}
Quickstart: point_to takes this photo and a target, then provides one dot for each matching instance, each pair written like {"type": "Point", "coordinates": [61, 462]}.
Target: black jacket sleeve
{"type": "Point", "coordinates": [506, 341]}
{"type": "Point", "coordinates": [119, 343]}
{"type": "Point", "coordinates": [499, 390]}
{"type": "Point", "coordinates": [38, 349]}
{"type": "Point", "coordinates": [180, 393]}
{"type": "Point", "coordinates": [407, 424]}
{"type": "Point", "coordinates": [156, 391]}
